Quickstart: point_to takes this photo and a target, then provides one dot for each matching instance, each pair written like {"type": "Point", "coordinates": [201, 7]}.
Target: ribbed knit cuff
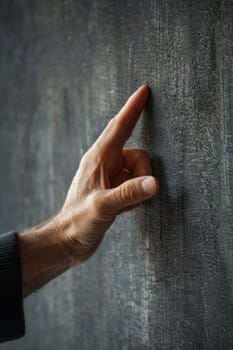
{"type": "Point", "coordinates": [12, 322]}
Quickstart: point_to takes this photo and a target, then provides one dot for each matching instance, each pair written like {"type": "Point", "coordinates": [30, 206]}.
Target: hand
{"type": "Point", "coordinates": [108, 182]}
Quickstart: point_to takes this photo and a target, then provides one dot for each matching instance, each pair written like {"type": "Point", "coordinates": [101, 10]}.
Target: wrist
{"type": "Point", "coordinates": [65, 226]}
{"type": "Point", "coordinates": [71, 243]}
{"type": "Point", "coordinates": [41, 257]}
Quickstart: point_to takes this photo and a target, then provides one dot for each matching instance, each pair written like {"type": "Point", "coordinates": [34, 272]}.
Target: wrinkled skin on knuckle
{"type": "Point", "coordinates": [126, 194]}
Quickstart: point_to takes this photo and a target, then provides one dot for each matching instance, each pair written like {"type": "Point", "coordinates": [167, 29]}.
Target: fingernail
{"type": "Point", "coordinates": [149, 185]}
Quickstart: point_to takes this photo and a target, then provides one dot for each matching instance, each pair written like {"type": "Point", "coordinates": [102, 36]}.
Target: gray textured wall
{"type": "Point", "coordinates": [163, 275]}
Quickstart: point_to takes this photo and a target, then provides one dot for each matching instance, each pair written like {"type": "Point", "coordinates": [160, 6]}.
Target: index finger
{"type": "Point", "coordinates": [120, 127]}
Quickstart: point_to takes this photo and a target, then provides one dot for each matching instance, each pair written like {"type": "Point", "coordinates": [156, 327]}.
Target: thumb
{"type": "Point", "coordinates": [132, 192]}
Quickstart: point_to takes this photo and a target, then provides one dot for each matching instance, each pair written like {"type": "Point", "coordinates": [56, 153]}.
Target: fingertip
{"type": "Point", "coordinates": [143, 92]}
{"type": "Point", "coordinates": [146, 91]}
{"type": "Point", "coordinates": [144, 87]}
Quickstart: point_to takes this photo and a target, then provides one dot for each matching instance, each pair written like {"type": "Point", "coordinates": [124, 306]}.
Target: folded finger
{"type": "Point", "coordinates": [137, 161]}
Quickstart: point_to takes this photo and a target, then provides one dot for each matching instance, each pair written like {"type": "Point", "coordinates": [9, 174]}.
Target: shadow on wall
{"type": "Point", "coordinates": [164, 221]}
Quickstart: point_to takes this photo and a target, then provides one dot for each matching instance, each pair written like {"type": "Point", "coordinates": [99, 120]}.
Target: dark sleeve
{"type": "Point", "coordinates": [12, 323]}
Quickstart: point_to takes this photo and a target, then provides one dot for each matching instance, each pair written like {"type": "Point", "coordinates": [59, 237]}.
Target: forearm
{"type": "Point", "coordinates": [42, 258]}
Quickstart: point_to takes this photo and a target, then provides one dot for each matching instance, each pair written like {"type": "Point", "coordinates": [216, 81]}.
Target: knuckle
{"type": "Point", "coordinates": [96, 205]}
{"type": "Point", "coordinates": [121, 196]}
{"type": "Point", "coordinates": [127, 194]}
{"type": "Point", "coordinates": [93, 154]}
{"type": "Point", "coordinates": [86, 156]}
